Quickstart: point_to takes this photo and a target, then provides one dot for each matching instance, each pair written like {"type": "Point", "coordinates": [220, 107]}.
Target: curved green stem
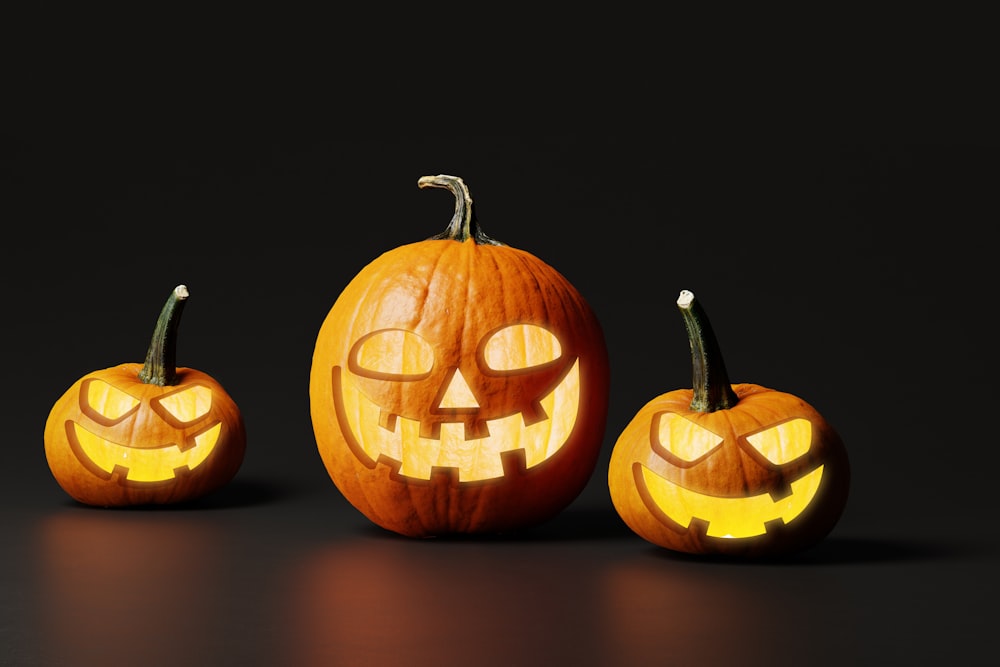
{"type": "Point", "coordinates": [161, 358]}
{"type": "Point", "coordinates": [712, 389]}
{"type": "Point", "coordinates": [463, 225]}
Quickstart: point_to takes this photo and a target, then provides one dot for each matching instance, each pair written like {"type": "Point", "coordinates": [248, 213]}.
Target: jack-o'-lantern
{"type": "Point", "coordinates": [459, 385]}
{"type": "Point", "coordinates": [144, 434]}
{"type": "Point", "coordinates": [727, 469]}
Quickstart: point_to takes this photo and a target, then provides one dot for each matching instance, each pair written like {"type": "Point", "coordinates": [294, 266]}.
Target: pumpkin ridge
{"type": "Point", "coordinates": [521, 267]}
{"type": "Point", "coordinates": [500, 275]}
{"type": "Point", "coordinates": [436, 261]}
{"type": "Point", "coordinates": [472, 255]}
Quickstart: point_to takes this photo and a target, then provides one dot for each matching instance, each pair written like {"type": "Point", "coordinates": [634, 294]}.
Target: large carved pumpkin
{"type": "Point", "coordinates": [151, 433]}
{"type": "Point", "coordinates": [459, 385]}
{"type": "Point", "coordinates": [727, 469]}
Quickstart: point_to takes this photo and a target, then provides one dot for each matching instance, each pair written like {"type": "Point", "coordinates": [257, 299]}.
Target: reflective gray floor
{"type": "Point", "coordinates": [261, 576]}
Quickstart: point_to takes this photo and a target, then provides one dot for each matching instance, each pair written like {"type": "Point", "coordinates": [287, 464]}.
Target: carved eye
{"type": "Point", "coordinates": [682, 437]}
{"type": "Point", "coordinates": [105, 403]}
{"type": "Point", "coordinates": [784, 442]}
{"type": "Point", "coordinates": [188, 405]}
{"type": "Point", "coordinates": [392, 354]}
{"type": "Point", "coordinates": [521, 346]}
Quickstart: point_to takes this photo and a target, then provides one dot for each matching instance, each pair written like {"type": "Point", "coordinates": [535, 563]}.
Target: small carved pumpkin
{"type": "Point", "coordinates": [459, 385]}
{"type": "Point", "coordinates": [152, 433]}
{"type": "Point", "coordinates": [721, 469]}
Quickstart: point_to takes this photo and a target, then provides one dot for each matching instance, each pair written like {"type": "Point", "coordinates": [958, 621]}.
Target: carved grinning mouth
{"type": "Point", "coordinates": [726, 517]}
{"type": "Point", "coordinates": [141, 464]}
{"type": "Point", "coordinates": [475, 459]}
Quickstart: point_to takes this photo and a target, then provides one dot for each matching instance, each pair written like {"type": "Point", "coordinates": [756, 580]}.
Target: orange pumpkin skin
{"type": "Point", "coordinates": [454, 296]}
{"type": "Point", "coordinates": [734, 470]}
{"type": "Point", "coordinates": [143, 431]}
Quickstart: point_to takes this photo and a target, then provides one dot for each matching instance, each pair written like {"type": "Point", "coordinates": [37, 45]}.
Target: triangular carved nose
{"type": "Point", "coordinates": [458, 394]}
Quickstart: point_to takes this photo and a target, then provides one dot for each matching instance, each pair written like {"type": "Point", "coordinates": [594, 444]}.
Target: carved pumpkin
{"type": "Point", "coordinates": [151, 433]}
{"type": "Point", "coordinates": [459, 385]}
{"type": "Point", "coordinates": [727, 469]}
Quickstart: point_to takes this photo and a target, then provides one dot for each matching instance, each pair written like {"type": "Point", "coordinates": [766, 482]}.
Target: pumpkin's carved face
{"type": "Point", "coordinates": [785, 481]}
{"type": "Point", "coordinates": [104, 437]}
{"type": "Point", "coordinates": [113, 440]}
{"type": "Point", "coordinates": [416, 399]}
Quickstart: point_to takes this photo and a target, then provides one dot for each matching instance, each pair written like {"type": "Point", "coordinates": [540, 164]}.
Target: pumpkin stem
{"type": "Point", "coordinates": [463, 225]}
{"type": "Point", "coordinates": [712, 389]}
{"type": "Point", "coordinates": [161, 358]}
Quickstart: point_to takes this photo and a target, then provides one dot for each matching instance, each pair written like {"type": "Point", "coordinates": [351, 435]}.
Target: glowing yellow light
{"type": "Point", "coordinates": [476, 458]}
{"type": "Point", "coordinates": [146, 464]}
{"type": "Point", "coordinates": [730, 517]}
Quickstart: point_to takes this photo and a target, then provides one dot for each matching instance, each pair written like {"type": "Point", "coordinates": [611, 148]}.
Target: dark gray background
{"type": "Point", "coordinates": [857, 275]}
